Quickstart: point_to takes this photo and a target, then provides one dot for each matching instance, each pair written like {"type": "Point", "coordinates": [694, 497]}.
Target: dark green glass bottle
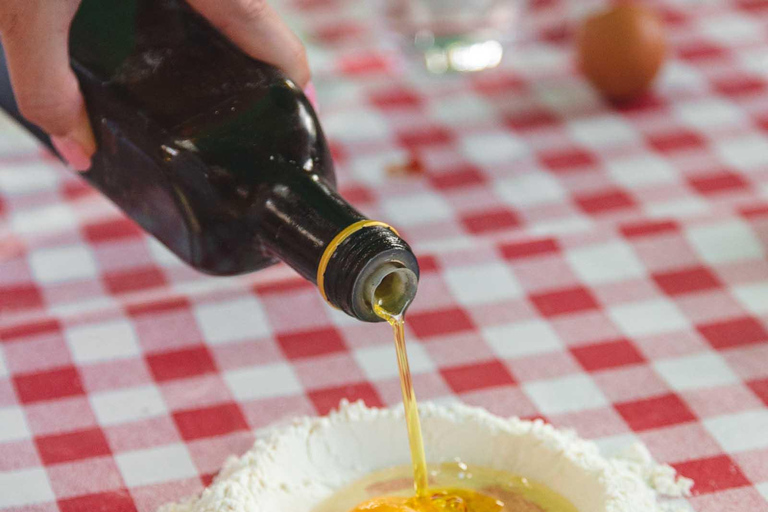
{"type": "Point", "coordinates": [219, 156]}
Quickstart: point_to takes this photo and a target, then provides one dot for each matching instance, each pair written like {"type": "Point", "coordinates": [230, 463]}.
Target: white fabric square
{"type": "Point", "coordinates": [161, 254]}
{"type": "Point", "coordinates": [522, 339]}
{"type": "Point", "coordinates": [233, 320]}
{"type": "Point", "coordinates": [709, 113]}
{"type": "Point", "coordinates": [648, 318]}
{"type": "Point", "coordinates": [26, 178]}
{"type": "Point", "coordinates": [730, 28]}
{"type": "Point", "coordinates": [44, 219]}
{"type": "Point", "coordinates": [371, 169]}
{"type": "Point", "coordinates": [725, 242]}
{"type": "Point", "coordinates": [754, 297]}
{"type": "Point", "coordinates": [380, 362]}
{"type": "Point", "coordinates": [605, 263]}
{"type": "Point", "coordinates": [24, 487]}
{"type": "Point", "coordinates": [13, 424]}
{"type": "Point", "coordinates": [602, 131]}
{"type": "Point", "coordinates": [414, 209]}
{"type": "Point", "coordinates": [681, 207]}
{"type": "Point", "coordinates": [642, 171]}
{"type": "Point", "coordinates": [459, 108]}
{"type": "Point", "coordinates": [355, 125]}
{"type": "Point", "coordinates": [60, 264]}
{"type": "Point", "coordinates": [155, 465]}
{"type": "Point", "coordinates": [747, 153]}
{"type": "Point", "coordinates": [102, 342]}
{"type": "Point", "coordinates": [265, 381]}
{"type": "Point", "coordinates": [741, 431]}
{"type": "Point", "coordinates": [763, 489]}
{"type": "Point", "coordinates": [493, 148]}
{"type": "Point", "coordinates": [530, 189]}
{"type": "Point", "coordinates": [566, 394]}
{"type": "Point", "coordinates": [119, 406]}
{"type": "Point", "coordinates": [481, 284]}
{"type": "Point", "coordinates": [3, 367]}
{"type": "Point", "coordinates": [695, 371]}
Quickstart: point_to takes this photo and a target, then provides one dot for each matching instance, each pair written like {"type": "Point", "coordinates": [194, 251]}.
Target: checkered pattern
{"type": "Point", "coordinates": [602, 267]}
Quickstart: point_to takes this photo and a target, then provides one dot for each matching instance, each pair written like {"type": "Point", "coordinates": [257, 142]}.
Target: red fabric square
{"type": "Point", "coordinates": [28, 330]}
{"type": "Point", "coordinates": [656, 412]}
{"type": "Point", "coordinates": [163, 305]}
{"type": "Point", "coordinates": [734, 333]}
{"type": "Point", "coordinates": [336, 32]}
{"type": "Point", "coordinates": [48, 385]}
{"type": "Point", "coordinates": [600, 356]}
{"type": "Point", "coordinates": [749, 212]}
{"type": "Point", "coordinates": [700, 50]}
{"type": "Point", "coordinates": [712, 474]}
{"type": "Point", "coordinates": [650, 228]}
{"type": "Point", "coordinates": [357, 194]}
{"type": "Point", "coordinates": [562, 302]}
{"type": "Point", "coordinates": [760, 388]}
{"type": "Point", "coordinates": [484, 222]}
{"type": "Point", "coordinates": [282, 286]}
{"type": "Point", "coordinates": [364, 64]}
{"type": "Point", "coordinates": [568, 159]}
{"type": "Point", "coordinates": [680, 140]}
{"type": "Point", "coordinates": [463, 177]}
{"type": "Point", "coordinates": [521, 250]}
{"type": "Point", "coordinates": [111, 501]}
{"type": "Point", "coordinates": [648, 102]}
{"type": "Point", "coordinates": [428, 263]}
{"type": "Point", "coordinates": [477, 376]}
{"type": "Point", "coordinates": [179, 364]}
{"type": "Point", "coordinates": [209, 421]}
{"type": "Point", "coordinates": [531, 119]}
{"type": "Point", "coordinates": [111, 230]}
{"type": "Point", "coordinates": [134, 280]}
{"type": "Point", "coordinates": [718, 183]}
{"type": "Point", "coordinates": [328, 399]}
{"type": "Point", "coordinates": [425, 136]}
{"type": "Point", "coordinates": [14, 298]}
{"type": "Point", "coordinates": [498, 82]}
{"type": "Point", "coordinates": [740, 85]}
{"type": "Point", "coordinates": [606, 201]}
{"type": "Point", "coordinates": [77, 188]}
{"type": "Point", "coordinates": [679, 282]}
{"type": "Point", "coordinates": [72, 446]}
{"type": "Point", "coordinates": [395, 97]}
{"type": "Point", "coordinates": [311, 343]}
{"type": "Point", "coordinates": [437, 323]}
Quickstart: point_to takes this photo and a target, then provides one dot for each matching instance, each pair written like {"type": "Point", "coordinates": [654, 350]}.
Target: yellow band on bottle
{"type": "Point", "coordinates": [336, 242]}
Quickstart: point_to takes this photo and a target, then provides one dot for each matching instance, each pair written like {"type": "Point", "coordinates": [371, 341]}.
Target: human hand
{"type": "Point", "coordinates": [35, 36]}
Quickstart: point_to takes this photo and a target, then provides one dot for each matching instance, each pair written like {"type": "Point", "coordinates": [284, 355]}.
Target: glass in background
{"type": "Point", "coordinates": [455, 35]}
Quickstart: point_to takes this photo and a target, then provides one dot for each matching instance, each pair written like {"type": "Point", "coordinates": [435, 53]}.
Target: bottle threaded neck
{"type": "Point", "coordinates": [367, 259]}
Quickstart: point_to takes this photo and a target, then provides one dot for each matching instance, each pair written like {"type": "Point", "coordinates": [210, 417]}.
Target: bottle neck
{"type": "Point", "coordinates": [299, 222]}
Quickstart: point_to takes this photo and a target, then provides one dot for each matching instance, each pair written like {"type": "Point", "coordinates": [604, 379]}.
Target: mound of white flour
{"type": "Point", "coordinates": [293, 468]}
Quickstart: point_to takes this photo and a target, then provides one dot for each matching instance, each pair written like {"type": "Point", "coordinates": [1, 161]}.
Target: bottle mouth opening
{"type": "Point", "coordinates": [392, 288]}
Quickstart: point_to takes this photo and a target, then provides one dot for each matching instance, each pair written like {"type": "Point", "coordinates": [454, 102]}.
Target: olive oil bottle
{"type": "Point", "coordinates": [219, 156]}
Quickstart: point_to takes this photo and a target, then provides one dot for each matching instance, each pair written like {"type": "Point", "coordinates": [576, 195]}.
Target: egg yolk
{"type": "Point", "coordinates": [439, 500]}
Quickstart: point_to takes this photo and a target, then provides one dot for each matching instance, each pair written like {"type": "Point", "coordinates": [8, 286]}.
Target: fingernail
{"type": "Point", "coordinates": [311, 94]}
{"type": "Point", "coordinates": [73, 152]}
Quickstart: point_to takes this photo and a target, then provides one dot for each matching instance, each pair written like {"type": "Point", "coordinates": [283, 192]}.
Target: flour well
{"type": "Point", "coordinates": [293, 468]}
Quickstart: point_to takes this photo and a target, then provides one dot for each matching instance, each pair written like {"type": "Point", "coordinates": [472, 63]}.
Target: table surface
{"type": "Point", "coordinates": [604, 268]}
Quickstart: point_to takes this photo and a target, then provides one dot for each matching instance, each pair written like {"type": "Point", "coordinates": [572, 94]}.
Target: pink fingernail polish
{"type": "Point", "coordinates": [73, 152]}
{"type": "Point", "coordinates": [311, 94]}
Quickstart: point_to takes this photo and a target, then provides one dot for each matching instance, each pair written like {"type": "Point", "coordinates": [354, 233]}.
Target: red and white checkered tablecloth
{"type": "Point", "coordinates": [605, 268]}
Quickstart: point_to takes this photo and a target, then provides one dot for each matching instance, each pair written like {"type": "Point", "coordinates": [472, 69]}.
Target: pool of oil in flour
{"type": "Point", "coordinates": [453, 487]}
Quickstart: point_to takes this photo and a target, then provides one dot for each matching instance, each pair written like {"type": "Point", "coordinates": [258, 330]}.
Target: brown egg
{"type": "Point", "coordinates": [621, 50]}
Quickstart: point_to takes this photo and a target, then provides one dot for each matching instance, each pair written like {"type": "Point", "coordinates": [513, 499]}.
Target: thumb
{"type": "Point", "coordinates": [46, 89]}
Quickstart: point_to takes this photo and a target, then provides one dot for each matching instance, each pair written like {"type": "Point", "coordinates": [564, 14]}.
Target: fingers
{"type": "Point", "coordinates": [35, 38]}
{"type": "Point", "coordinates": [257, 29]}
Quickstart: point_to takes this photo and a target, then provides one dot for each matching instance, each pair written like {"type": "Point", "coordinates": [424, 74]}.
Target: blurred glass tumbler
{"type": "Point", "coordinates": [455, 35]}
